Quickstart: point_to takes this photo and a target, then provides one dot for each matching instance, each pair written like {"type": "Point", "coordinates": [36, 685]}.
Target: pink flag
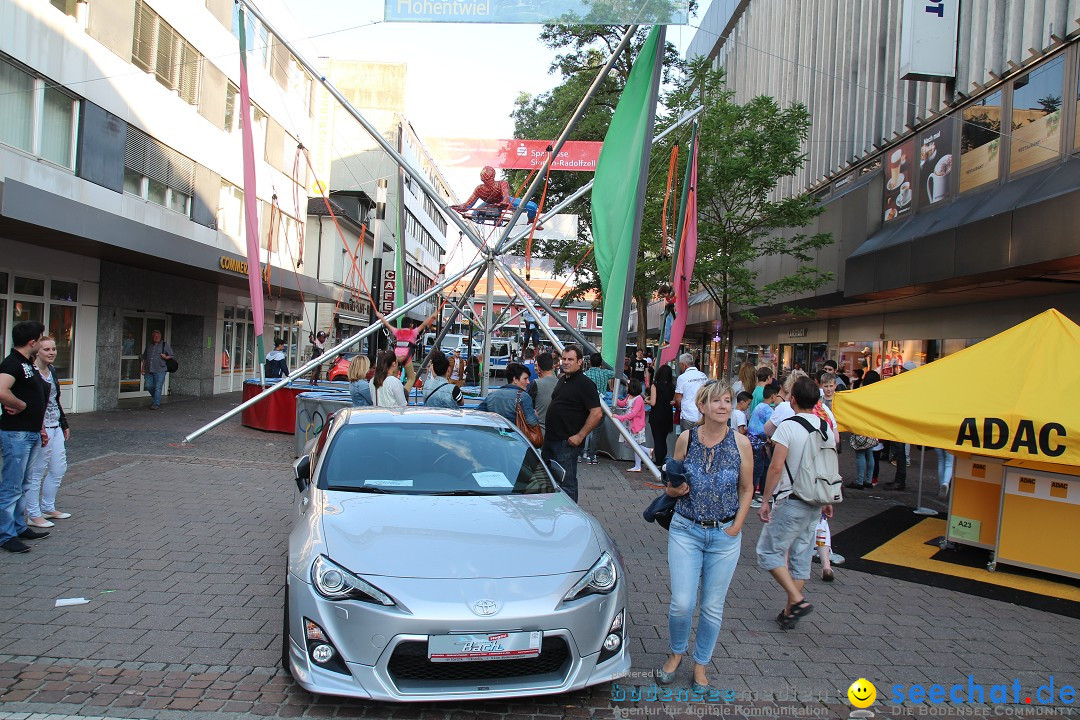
{"type": "Point", "coordinates": [251, 205]}
{"type": "Point", "coordinates": [684, 269]}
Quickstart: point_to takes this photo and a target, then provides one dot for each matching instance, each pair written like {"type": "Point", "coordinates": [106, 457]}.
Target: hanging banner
{"type": "Point", "coordinates": [514, 154]}
{"type": "Point", "coordinates": [540, 12]}
{"type": "Point", "coordinates": [928, 39]}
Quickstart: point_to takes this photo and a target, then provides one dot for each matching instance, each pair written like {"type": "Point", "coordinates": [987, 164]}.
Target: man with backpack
{"type": "Point", "coordinates": [803, 482]}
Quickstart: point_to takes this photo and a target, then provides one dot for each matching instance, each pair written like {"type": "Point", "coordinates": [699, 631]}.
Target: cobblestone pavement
{"type": "Point", "coordinates": [181, 554]}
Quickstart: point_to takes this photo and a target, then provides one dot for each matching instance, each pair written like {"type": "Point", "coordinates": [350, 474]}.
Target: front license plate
{"type": "Point", "coordinates": [484, 646]}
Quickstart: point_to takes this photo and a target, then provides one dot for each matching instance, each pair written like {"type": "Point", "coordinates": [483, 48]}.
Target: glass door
{"type": "Point", "coordinates": [136, 333]}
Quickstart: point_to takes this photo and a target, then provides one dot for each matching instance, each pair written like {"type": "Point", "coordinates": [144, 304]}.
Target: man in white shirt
{"type": "Point", "coordinates": [686, 388]}
{"type": "Point", "coordinates": [786, 545]}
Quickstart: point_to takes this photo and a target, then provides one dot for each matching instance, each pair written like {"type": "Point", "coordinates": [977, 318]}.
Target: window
{"type": "Point", "coordinates": [421, 235]}
{"type": "Point", "coordinates": [299, 84]}
{"type": "Point", "coordinates": [230, 214]}
{"type": "Point", "coordinates": [979, 142]}
{"type": "Point", "coordinates": [158, 48]}
{"type": "Point", "coordinates": [65, 6]}
{"type": "Point", "coordinates": [51, 302]}
{"type": "Point", "coordinates": [36, 117]}
{"type": "Point", "coordinates": [232, 103]}
{"type": "Point", "coordinates": [583, 319]}
{"type": "Point", "coordinates": [1036, 115]}
{"type": "Point", "coordinates": [599, 320]}
{"type": "Point", "coordinates": [156, 172]}
{"type": "Point", "coordinates": [432, 211]}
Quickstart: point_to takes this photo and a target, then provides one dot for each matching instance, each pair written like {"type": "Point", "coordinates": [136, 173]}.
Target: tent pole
{"type": "Point", "coordinates": [919, 509]}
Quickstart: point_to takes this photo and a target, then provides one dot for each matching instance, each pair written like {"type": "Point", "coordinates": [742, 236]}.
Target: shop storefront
{"type": "Point", "coordinates": [59, 290]}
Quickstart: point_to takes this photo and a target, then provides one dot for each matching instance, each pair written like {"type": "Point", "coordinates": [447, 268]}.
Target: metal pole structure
{"type": "Point", "coordinates": [455, 311]}
{"type": "Point", "coordinates": [620, 427]}
{"type": "Point", "coordinates": [577, 335]}
{"type": "Point", "coordinates": [430, 191]}
{"type": "Point", "coordinates": [584, 189]}
{"type": "Point", "coordinates": [333, 352]}
{"type": "Point", "coordinates": [919, 509]}
{"type": "Point", "coordinates": [485, 365]}
{"type": "Point", "coordinates": [541, 175]}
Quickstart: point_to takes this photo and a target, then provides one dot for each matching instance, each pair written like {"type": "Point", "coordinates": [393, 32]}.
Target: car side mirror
{"type": "Point", "coordinates": [558, 471]}
{"type": "Point", "coordinates": [302, 472]}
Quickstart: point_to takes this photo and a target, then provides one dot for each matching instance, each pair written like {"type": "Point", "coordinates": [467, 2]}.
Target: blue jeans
{"type": "Point", "coordinates": [864, 467]}
{"type": "Point", "coordinates": [566, 455]}
{"type": "Point", "coordinates": [20, 450]}
{"type": "Point", "coordinates": [945, 462]}
{"type": "Point", "coordinates": [155, 382]}
{"type": "Point", "coordinates": [705, 556]}
{"type": "Point", "coordinates": [761, 467]}
{"type": "Point", "coordinates": [530, 208]}
{"type": "Point", "coordinates": [588, 448]}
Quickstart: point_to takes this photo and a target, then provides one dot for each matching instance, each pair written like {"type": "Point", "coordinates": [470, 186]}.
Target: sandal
{"type": "Point", "coordinates": [827, 575]}
{"type": "Point", "coordinates": [785, 621]}
{"type": "Point", "coordinates": [799, 609]}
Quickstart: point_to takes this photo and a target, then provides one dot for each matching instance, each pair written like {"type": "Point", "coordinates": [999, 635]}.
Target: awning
{"type": "Point", "coordinates": [353, 319]}
{"type": "Point", "coordinates": [80, 228]}
{"type": "Point", "coordinates": [1027, 221]}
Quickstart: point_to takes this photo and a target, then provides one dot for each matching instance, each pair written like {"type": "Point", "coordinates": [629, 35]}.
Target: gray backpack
{"type": "Point", "coordinates": [817, 480]}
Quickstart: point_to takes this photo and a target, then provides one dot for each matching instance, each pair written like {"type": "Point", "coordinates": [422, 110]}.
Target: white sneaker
{"type": "Point", "coordinates": [756, 502]}
{"type": "Point", "coordinates": [943, 491]}
{"type": "Point", "coordinates": [836, 558]}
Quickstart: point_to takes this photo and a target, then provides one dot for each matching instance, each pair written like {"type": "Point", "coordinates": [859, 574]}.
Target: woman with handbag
{"type": "Point", "coordinates": [706, 531]}
{"type": "Point", "coordinates": [506, 399]}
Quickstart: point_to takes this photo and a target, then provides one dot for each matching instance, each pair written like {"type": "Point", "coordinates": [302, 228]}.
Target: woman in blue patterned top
{"type": "Point", "coordinates": [706, 531]}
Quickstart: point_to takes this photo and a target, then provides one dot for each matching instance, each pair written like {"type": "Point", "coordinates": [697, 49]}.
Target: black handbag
{"type": "Point", "coordinates": [171, 365]}
{"type": "Point", "coordinates": [662, 509]}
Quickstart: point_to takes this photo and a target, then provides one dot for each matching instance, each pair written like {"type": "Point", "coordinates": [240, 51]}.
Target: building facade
{"type": "Point", "coordinates": [409, 233]}
{"type": "Point", "coordinates": [121, 199]}
{"type": "Point", "coordinates": [951, 200]}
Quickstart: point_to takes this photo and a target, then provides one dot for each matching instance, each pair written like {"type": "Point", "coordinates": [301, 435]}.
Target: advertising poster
{"type": "Point", "coordinates": [935, 163]}
{"type": "Point", "coordinates": [900, 176]}
{"type": "Point", "coordinates": [515, 154]}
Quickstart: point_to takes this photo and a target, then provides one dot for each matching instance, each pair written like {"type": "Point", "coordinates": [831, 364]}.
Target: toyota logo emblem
{"type": "Point", "coordinates": [485, 607]}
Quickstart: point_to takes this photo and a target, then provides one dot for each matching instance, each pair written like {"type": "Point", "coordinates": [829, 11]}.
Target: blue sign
{"type": "Point", "coordinates": [539, 12]}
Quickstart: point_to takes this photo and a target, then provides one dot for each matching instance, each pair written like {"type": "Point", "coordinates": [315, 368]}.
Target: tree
{"type": "Point", "coordinates": [745, 150]}
{"type": "Point", "coordinates": [584, 49]}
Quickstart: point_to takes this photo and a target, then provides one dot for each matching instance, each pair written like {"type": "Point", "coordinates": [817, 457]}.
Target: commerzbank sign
{"type": "Point", "coordinates": [594, 12]}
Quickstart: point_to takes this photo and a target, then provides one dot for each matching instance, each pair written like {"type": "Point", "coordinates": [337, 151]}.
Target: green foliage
{"type": "Point", "coordinates": [583, 52]}
{"type": "Point", "coordinates": [745, 151]}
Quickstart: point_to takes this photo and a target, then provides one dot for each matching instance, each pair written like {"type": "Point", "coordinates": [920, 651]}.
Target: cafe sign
{"type": "Point", "coordinates": [388, 291]}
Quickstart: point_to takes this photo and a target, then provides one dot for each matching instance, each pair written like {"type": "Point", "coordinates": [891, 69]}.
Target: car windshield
{"type": "Point", "coordinates": [432, 459]}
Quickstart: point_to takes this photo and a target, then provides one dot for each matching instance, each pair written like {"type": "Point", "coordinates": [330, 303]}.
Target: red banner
{"type": "Point", "coordinates": [516, 154]}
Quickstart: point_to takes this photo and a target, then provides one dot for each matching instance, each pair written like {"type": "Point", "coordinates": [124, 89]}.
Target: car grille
{"type": "Point", "coordinates": [410, 662]}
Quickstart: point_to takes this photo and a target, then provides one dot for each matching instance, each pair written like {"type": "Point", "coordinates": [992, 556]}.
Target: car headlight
{"type": "Point", "coordinates": [334, 582]}
{"type": "Point", "coordinates": [600, 580]}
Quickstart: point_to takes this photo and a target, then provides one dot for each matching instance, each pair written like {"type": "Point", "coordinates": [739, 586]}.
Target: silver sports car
{"type": "Point", "coordinates": [433, 557]}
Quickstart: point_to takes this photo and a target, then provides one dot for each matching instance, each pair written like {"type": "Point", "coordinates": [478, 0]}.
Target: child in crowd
{"type": "Point", "coordinates": [634, 417]}
{"type": "Point", "coordinates": [738, 415]}
{"type": "Point", "coordinates": [827, 558]}
{"type": "Point", "coordinates": [755, 428]}
{"type": "Point", "coordinates": [668, 294]}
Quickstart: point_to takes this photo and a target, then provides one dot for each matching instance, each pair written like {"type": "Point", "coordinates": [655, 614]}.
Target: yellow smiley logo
{"type": "Point", "coordinates": [862, 693]}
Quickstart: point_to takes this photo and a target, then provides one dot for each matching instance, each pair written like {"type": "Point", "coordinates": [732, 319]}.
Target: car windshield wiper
{"type": "Point", "coordinates": [459, 492]}
{"type": "Point", "coordinates": [364, 489]}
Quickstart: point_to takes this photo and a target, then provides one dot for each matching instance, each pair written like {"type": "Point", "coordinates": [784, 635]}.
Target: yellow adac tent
{"type": "Point", "coordinates": [1014, 395]}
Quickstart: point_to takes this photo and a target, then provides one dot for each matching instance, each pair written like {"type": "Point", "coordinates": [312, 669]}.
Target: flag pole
{"type": "Point", "coordinates": [643, 183]}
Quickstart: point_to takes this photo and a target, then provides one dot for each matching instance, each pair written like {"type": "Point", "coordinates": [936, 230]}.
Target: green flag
{"type": "Point", "coordinates": [618, 192]}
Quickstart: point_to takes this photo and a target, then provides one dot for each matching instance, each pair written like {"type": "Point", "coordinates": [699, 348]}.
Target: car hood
{"type": "Point", "coordinates": [495, 536]}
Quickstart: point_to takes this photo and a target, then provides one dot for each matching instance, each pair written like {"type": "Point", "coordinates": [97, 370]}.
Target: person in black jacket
{"type": "Point", "coordinates": [276, 365]}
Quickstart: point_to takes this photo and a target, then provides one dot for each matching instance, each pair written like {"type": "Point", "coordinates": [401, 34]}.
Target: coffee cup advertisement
{"type": "Point", "coordinates": [901, 168]}
{"type": "Point", "coordinates": [935, 163]}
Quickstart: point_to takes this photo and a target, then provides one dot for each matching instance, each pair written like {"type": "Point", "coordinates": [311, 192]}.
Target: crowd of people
{"type": "Point", "coordinates": [33, 435]}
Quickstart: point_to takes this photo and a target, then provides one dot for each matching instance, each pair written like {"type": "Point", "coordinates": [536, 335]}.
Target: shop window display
{"type": "Point", "coordinates": [1036, 115]}
{"type": "Point", "coordinates": [980, 139]}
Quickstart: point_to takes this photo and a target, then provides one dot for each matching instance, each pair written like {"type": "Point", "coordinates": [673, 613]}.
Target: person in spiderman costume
{"type": "Point", "coordinates": [496, 193]}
